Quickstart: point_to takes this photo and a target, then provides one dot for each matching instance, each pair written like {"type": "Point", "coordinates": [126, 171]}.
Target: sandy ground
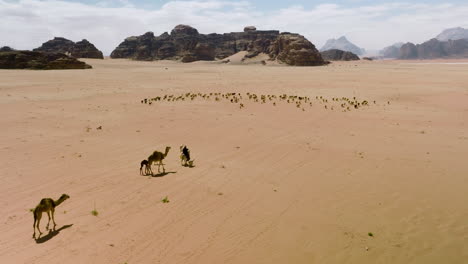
{"type": "Point", "coordinates": [272, 184]}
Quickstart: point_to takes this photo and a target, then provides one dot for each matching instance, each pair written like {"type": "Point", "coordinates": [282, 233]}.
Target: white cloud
{"type": "Point", "coordinates": [28, 23]}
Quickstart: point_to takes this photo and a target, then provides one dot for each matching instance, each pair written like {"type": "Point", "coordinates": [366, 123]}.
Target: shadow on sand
{"type": "Point", "coordinates": [51, 234]}
{"type": "Point", "coordinates": [160, 174]}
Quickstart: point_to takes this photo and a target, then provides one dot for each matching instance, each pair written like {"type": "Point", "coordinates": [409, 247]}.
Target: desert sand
{"type": "Point", "coordinates": [271, 184]}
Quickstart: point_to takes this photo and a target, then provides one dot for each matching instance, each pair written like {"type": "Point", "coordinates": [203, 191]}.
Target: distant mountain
{"type": "Point", "coordinates": [435, 49]}
{"type": "Point", "coordinates": [391, 51]}
{"type": "Point", "coordinates": [342, 44]}
{"type": "Point", "coordinates": [453, 34]}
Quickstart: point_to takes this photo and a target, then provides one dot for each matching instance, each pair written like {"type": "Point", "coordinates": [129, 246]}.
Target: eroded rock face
{"type": "Point", "coordinates": [294, 49]}
{"type": "Point", "coordinates": [338, 55]}
{"type": "Point", "coordinates": [39, 61]}
{"type": "Point", "coordinates": [85, 49]}
{"type": "Point", "coordinates": [184, 43]}
{"type": "Point", "coordinates": [81, 49]}
{"type": "Point", "coordinates": [61, 45]}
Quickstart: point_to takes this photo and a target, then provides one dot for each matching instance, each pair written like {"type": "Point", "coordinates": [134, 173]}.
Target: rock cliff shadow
{"type": "Point", "coordinates": [51, 234]}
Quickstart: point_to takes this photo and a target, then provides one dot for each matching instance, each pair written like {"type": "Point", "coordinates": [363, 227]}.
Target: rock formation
{"type": "Point", "coordinates": [39, 61]}
{"type": "Point", "coordinates": [184, 43]}
{"type": "Point", "coordinates": [5, 48]}
{"type": "Point", "coordinates": [344, 44]}
{"type": "Point", "coordinates": [81, 49]}
{"type": "Point", "coordinates": [250, 28]}
{"type": "Point", "coordinates": [392, 51]}
{"type": "Point", "coordinates": [408, 51]}
{"type": "Point", "coordinates": [85, 49]}
{"type": "Point", "coordinates": [338, 55]}
{"type": "Point", "coordinates": [453, 34]}
{"type": "Point", "coordinates": [434, 49]}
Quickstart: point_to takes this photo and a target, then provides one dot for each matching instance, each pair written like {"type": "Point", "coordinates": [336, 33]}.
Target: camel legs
{"type": "Point", "coordinates": [53, 219]}
{"type": "Point", "coordinates": [160, 163]}
{"type": "Point", "coordinates": [148, 169]}
{"type": "Point", "coordinates": [48, 222]}
{"type": "Point", "coordinates": [36, 225]}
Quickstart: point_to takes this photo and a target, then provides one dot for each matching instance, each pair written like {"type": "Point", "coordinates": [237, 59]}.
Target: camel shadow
{"type": "Point", "coordinates": [162, 174]}
{"type": "Point", "coordinates": [51, 234]}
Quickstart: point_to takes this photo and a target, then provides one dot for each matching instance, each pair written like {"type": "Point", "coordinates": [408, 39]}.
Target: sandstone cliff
{"type": "Point", "coordinates": [186, 44]}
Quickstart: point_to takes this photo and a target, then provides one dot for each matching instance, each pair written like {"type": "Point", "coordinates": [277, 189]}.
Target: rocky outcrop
{"type": "Point", "coordinates": [338, 55]}
{"type": "Point", "coordinates": [60, 45]}
{"type": "Point", "coordinates": [5, 48]}
{"type": "Point", "coordinates": [342, 43]}
{"type": "Point", "coordinates": [39, 61]}
{"type": "Point", "coordinates": [453, 34]}
{"type": "Point", "coordinates": [81, 49]}
{"type": "Point", "coordinates": [435, 49]}
{"type": "Point", "coordinates": [249, 28]}
{"type": "Point", "coordinates": [186, 44]}
{"type": "Point", "coordinates": [85, 49]}
{"type": "Point", "coordinates": [294, 49]}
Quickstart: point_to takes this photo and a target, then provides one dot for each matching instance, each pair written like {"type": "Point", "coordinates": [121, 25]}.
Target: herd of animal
{"type": "Point", "coordinates": [344, 104]}
{"type": "Point", "coordinates": [47, 205]}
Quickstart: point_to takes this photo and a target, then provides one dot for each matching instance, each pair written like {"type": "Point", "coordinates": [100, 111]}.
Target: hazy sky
{"type": "Point", "coordinates": [25, 24]}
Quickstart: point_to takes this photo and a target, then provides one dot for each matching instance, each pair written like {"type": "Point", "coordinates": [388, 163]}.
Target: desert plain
{"type": "Point", "coordinates": [272, 183]}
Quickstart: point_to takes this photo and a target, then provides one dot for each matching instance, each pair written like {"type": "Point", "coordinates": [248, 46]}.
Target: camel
{"type": "Point", "coordinates": [144, 163]}
{"type": "Point", "coordinates": [46, 205]}
{"type": "Point", "coordinates": [157, 157]}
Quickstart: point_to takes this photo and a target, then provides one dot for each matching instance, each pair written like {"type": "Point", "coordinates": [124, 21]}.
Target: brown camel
{"type": "Point", "coordinates": [157, 157]}
{"type": "Point", "coordinates": [46, 205]}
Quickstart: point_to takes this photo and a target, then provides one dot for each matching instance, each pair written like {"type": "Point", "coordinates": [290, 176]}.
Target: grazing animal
{"type": "Point", "coordinates": [46, 205]}
{"type": "Point", "coordinates": [185, 156]}
{"type": "Point", "coordinates": [144, 163]}
{"type": "Point", "coordinates": [157, 157]}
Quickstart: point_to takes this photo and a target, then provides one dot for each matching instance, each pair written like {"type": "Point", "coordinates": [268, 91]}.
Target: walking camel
{"type": "Point", "coordinates": [157, 157]}
{"type": "Point", "coordinates": [46, 205]}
